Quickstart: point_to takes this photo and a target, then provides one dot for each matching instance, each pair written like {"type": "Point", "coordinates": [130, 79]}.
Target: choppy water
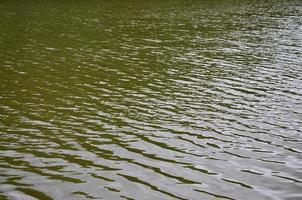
{"type": "Point", "coordinates": [151, 100]}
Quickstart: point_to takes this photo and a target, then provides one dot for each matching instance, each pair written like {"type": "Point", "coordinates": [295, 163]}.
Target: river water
{"type": "Point", "coordinates": [150, 100]}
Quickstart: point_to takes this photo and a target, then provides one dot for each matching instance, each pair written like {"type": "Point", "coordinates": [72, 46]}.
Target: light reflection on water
{"type": "Point", "coordinates": [150, 100]}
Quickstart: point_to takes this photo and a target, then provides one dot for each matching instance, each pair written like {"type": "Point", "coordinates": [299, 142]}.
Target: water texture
{"type": "Point", "coordinates": [146, 100]}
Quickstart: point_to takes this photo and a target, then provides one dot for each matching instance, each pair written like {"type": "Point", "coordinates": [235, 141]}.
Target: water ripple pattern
{"type": "Point", "coordinates": [146, 100]}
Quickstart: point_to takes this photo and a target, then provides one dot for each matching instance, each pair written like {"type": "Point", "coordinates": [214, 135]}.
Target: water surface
{"type": "Point", "coordinates": [150, 100]}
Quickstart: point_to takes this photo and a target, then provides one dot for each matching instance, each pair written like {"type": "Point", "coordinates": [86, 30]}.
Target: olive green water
{"type": "Point", "coordinates": [150, 100]}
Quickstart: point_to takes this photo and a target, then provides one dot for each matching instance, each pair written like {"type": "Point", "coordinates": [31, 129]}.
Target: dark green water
{"type": "Point", "coordinates": [150, 100]}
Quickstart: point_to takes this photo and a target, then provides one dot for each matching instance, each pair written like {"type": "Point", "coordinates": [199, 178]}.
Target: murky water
{"type": "Point", "coordinates": [151, 100]}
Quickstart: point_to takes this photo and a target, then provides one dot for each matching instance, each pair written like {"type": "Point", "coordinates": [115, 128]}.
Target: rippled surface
{"type": "Point", "coordinates": [151, 100]}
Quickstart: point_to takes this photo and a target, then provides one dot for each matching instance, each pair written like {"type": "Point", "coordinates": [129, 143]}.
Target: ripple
{"type": "Point", "coordinates": [150, 100]}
